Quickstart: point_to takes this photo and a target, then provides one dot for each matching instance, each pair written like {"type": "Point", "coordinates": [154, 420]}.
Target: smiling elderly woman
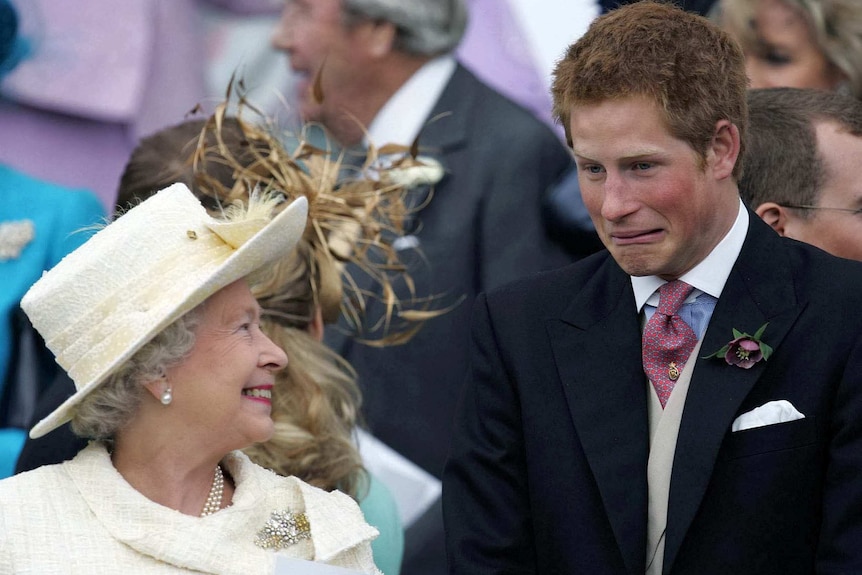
{"type": "Point", "coordinates": [154, 320]}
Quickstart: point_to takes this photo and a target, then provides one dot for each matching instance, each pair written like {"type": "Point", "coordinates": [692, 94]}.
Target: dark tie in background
{"type": "Point", "coordinates": [667, 339]}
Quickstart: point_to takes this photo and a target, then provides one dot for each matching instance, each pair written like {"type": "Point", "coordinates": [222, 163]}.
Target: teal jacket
{"type": "Point", "coordinates": [40, 223]}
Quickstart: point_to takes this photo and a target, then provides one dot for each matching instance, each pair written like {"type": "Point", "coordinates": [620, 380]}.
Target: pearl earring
{"type": "Point", "coordinates": [167, 397]}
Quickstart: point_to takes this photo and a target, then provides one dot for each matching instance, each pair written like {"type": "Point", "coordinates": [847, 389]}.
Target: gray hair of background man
{"type": "Point", "coordinates": [782, 163]}
{"type": "Point", "coordinates": [425, 27]}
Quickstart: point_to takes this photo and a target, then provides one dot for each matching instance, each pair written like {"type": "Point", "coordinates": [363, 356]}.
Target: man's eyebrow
{"type": "Point", "coordinates": [633, 155]}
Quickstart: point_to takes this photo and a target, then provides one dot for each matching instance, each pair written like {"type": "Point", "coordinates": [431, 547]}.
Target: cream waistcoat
{"type": "Point", "coordinates": [82, 517]}
{"type": "Point", "coordinates": [664, 428]}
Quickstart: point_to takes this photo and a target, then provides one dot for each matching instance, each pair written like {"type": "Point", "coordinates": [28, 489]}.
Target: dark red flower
{"type": "Point", "coordinates": [743, 352]}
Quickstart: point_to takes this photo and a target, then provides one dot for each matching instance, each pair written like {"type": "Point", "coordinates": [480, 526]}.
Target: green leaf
{"type": "Point", "coordinates": [719, 353]}
{"type": "Point", "coordinates": [737, 334]}
{"type": "Point", "coordinates": [765, 350]}
{"type": "Point", "coordinates": [759, 333]}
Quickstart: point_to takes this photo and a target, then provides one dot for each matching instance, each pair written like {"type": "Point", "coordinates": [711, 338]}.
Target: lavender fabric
{"type": "Point", "coordinates": [496, 48]}
{"type": "Point", "coordinates": [100, 74]}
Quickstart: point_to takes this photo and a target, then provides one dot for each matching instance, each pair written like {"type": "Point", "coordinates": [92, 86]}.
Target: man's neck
{"type": "Point", "coordinates": [389, 75]}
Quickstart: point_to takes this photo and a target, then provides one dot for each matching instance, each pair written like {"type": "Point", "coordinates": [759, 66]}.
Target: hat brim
{"type": "Point", "coordinates": [278, 238]}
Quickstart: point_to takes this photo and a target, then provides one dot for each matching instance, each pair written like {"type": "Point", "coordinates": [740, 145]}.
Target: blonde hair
{"type": "Point", "coordinates": [836, 26]}
{"type": "Point", "coordinates": [315, 409]}
{"type": "Point", "coordinates": [352, 219]}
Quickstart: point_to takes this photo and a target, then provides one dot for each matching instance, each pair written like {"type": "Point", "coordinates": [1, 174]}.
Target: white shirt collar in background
{"type": "Point", "coordinates": [404, 115]}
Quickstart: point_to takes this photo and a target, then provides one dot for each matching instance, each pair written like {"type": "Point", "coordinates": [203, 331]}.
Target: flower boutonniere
{"type": "Point", "coordinates": [422, 171]}
{"type": "Point", "coordinates": [744, 350]}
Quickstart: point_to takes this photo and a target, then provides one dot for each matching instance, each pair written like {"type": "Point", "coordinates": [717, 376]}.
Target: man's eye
{"type": "Point", "coordinates": [642, 166]}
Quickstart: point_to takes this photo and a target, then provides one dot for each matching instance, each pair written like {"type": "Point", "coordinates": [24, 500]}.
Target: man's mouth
{"type": "Point", "coordinates": [636, 237]}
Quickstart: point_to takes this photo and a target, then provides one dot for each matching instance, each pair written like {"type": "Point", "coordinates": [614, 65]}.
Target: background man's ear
{"type": "Point", "coordinates": [774, 215]}
{"type": "Point", "coordinates": [382, 38]}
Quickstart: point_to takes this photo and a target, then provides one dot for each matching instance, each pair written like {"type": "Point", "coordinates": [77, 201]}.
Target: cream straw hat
{"type": "Point", "coordinates": [132, 279]}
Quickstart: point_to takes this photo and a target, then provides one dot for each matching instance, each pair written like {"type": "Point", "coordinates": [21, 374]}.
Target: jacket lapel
{"type": "Point", "coordinates": [224, 542]}
{"type": "Point", "coordinates": [447, 126]}
{"type": "Point", "coordinates": [596, 346]}
{"type": "Point", "coordinates": [759, 289]}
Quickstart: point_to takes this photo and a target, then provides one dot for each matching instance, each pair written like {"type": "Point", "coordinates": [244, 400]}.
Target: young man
{"type": "Point", "coordinates": [802, 166]}
{"type": "Point", "coordinates": [600, 432]}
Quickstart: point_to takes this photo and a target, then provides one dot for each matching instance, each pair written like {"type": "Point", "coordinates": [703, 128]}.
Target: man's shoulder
{"type": "Point", "coordinates": [555, 284]}
{"type": "Point", "coordinates": [817, 270]}
{"type": "Point", "coordinates": [766, 256]}
{"type": "Point", "coordinates": [488, 105]}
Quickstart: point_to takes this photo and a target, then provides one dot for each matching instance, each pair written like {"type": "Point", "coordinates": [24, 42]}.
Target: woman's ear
{"type": "Point", "coordinates": [160, 389]}
{"type": "Point", "coordinates": [315, 326]}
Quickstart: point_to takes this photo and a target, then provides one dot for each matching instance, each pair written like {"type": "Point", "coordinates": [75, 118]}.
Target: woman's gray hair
{"type": "Point", "coordinates": [425, 27]}
{"type": "Point", "coordinates": [113, 404]}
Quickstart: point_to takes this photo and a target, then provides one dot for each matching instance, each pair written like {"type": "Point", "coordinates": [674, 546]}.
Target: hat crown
{"type": "Point", "coordinates": [139, 274]}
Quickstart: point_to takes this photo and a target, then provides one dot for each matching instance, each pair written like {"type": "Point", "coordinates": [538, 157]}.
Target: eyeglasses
{"type": "Point", "coordinates": [857, 211]}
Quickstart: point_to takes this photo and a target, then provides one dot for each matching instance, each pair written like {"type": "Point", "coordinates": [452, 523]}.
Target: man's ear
{"type": "Point", "coordinates": [774, 215]}
{"type": "Point", "coordinates": [381, 38]}
{"type": "Point", "coordinates": [723, 152]}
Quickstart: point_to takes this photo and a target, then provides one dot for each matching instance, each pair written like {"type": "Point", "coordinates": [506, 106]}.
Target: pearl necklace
{"type": "Point", "coordinates": [213, 502]}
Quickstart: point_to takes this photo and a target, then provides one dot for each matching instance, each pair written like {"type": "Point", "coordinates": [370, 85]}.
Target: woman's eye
{"type": "Point", "coordinates": [774, 56]}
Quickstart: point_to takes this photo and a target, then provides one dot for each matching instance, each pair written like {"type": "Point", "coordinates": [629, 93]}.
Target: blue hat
{"type": "Point", "coordinates": [12, 47]}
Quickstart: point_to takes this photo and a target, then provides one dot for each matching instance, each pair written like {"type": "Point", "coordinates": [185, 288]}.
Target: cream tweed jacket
{"type": "Point", "coordinates": [81, 517]}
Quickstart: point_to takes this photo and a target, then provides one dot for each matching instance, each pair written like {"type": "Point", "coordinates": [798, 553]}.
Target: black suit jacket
{"type": "Point", "coordinates": [548, 472]}
{"type": "Point", "coordinates": [481, 229]}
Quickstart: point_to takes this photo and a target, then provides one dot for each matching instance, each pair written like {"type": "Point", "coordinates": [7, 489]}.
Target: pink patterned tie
{"type": "Point", "coordinates": [667, 339]}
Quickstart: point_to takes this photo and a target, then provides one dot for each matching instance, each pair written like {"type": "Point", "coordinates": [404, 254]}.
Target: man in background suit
{"type": "Point", "coordinates": [386, 66]}
{"type": "Point", "coordinates": [567, 457]}
{"type": "Point", "coordinates": [802, 166]}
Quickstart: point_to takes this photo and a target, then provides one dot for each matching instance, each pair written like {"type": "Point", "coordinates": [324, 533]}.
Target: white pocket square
{"type": "Point", "coordinates": [770, 413]}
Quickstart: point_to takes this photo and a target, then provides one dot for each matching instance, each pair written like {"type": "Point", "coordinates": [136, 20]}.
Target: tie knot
{"type": "Point", "coordinates": [671, 296]}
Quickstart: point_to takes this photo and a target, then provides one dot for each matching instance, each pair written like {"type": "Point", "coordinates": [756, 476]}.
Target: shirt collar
{"type": "Point", "coordinates": [710, 275]}
{"type": "Point", "coordinates": [404, 114]}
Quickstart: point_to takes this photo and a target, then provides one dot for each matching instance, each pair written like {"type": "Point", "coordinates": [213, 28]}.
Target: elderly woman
{"type": "Point", "coordinates": [799, 43]}
{"type": "Point", "coordinates": [155, 322]}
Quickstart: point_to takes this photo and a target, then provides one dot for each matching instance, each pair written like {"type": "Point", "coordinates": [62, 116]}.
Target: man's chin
{"type": "Point", "coordinates": [310, 111]}
{"type": "Point", "coordinates": [638, 262]}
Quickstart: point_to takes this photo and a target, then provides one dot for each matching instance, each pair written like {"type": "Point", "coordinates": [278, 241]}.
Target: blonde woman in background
{"type": "Point", "coordinates": [799, 43]}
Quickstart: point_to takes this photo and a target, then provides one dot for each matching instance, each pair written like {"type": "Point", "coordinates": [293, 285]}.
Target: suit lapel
{"type": "Point", "coordinates": [447, 126]}
{"type": "Point", "coordinates": [444, 130]}
{"type": "Point", "coordinates": [596, 346]}
{"type": "Point", "coordinates": [759, 289]}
